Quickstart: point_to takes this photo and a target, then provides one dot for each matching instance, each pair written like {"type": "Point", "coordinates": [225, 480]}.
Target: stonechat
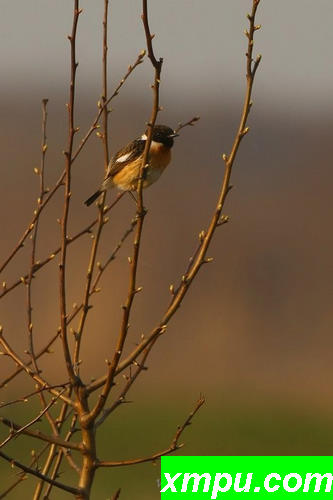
{"type": "Point", "coordinates": [124, 167]}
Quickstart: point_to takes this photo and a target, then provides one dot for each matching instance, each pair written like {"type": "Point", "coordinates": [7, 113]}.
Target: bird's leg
{"type": "Point", "coordinates": [134, 198]}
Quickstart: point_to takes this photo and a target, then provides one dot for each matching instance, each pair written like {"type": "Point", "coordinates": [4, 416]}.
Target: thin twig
{"type": "Point", "coordinates": [59, 459]}
{"type": "Point", "coordinates": [105, 86]}
{"type": "Point", "coordinates": [67, 195]}
{"type": "Point", "coordinates": [22, 476]}
{"type": "Point", "coordinates": [101, 106]}
{"type": "Point", "coordinates": [140, 214]}
{"type": "Point", "coordinates": [35, 236]}
{"type": "Point", "coordinates": [24, 399]}
{"type": "Point", "coordinates": [116, 495]}
{"type": "Point", "coordinates": [171, 448]}
{"type": "Point", "coordinates": [140, 366]}
{"type": "Point", "coordinates": [101, 218]}
{"type": "Point", "coordinates": [16, 429]}
{"type": "Point", "coordinates": [55, 453]}
{"type": "Point", "coordinates": [40, 264]}
{"type": "Point", "coordinates": [33, 472]}
{"type": "Point", "coordinates": [33, 375]}
{"type": "Point", "coordinates": [190, 123]}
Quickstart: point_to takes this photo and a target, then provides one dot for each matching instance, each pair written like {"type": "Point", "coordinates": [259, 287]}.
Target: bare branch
{"type": "Point", "coordinates": [39, 264]}
{"type": "Point", "coordinates": [105, 85]}
{"type": "Point", "coordinates": [116, 495]}
{"type": "Point", "coordinates": [54, 452]}
{"type": "Point", "coordinates": [33, 472]}
{"type": "Point", "coordinates": [33, 375]}
{"type": "Point", "coordinates": [140, 214]}
{"type": "Point", "coordinates": [140, 366]}
{"type": "Point", "coordinates": [101, 219]}
{"type": "Point", "coordinates": [190, 123]}
{"type": "Point", "coordinates": [67, 195]}
{"type": "Point", "coordinates": [24, 399]}
{"type": "Point", "coordinates": [172, 447]}
{"type": "Point", "coordinates": [60, 457]}
{"type": "Point", "coordinates": [23, 476]}
{"type": "Point", "coordinates": [16, 429]}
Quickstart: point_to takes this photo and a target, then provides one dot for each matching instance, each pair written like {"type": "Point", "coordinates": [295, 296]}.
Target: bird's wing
{"type": "Point", "coordinates": [127, 155]}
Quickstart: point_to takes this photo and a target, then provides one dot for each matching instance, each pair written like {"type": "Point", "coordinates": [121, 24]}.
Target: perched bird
{"type": "Point", "coordinates": [124, 168]}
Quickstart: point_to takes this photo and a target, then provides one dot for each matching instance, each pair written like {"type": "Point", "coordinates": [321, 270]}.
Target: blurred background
{"type": "Point", "coordinates": [254, 335]}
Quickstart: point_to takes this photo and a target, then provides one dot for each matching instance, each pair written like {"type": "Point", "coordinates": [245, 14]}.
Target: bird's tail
{"type": "Point", "coordinates": [93, 197]}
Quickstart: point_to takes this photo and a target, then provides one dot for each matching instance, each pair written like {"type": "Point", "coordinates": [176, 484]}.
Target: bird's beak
{"type": "Point", "coordinates": [173, 135]}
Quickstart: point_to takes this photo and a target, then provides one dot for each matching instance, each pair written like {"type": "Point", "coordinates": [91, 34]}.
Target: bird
{"type": "Point", "coordinates": [124, 168]}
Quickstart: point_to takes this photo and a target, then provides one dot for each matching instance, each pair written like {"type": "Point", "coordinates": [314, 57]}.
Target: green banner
{"type": "Point", "coordinates": [262, 477]}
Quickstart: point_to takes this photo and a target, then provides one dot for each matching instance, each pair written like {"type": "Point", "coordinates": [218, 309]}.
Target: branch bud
{"type": "Point", "coordinates": [208, 260]}
{"type": "Point", "coordinates": [224, 219]}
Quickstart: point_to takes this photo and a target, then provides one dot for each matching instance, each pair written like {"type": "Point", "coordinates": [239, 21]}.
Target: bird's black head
{"type": "Point", "coordinates": [164, 135]}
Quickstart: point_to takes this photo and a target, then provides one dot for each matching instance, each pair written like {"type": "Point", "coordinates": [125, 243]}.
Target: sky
{"type": "Point", "coordinates": [201, 42]}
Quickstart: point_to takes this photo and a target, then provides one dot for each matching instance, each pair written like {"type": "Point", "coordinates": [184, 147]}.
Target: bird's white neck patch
{"type": "Point", "coordinates": [154, 145]}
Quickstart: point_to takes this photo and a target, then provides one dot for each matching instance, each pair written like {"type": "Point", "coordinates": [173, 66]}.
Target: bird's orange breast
{"type": "Point", "coordinates": [159, 158]}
